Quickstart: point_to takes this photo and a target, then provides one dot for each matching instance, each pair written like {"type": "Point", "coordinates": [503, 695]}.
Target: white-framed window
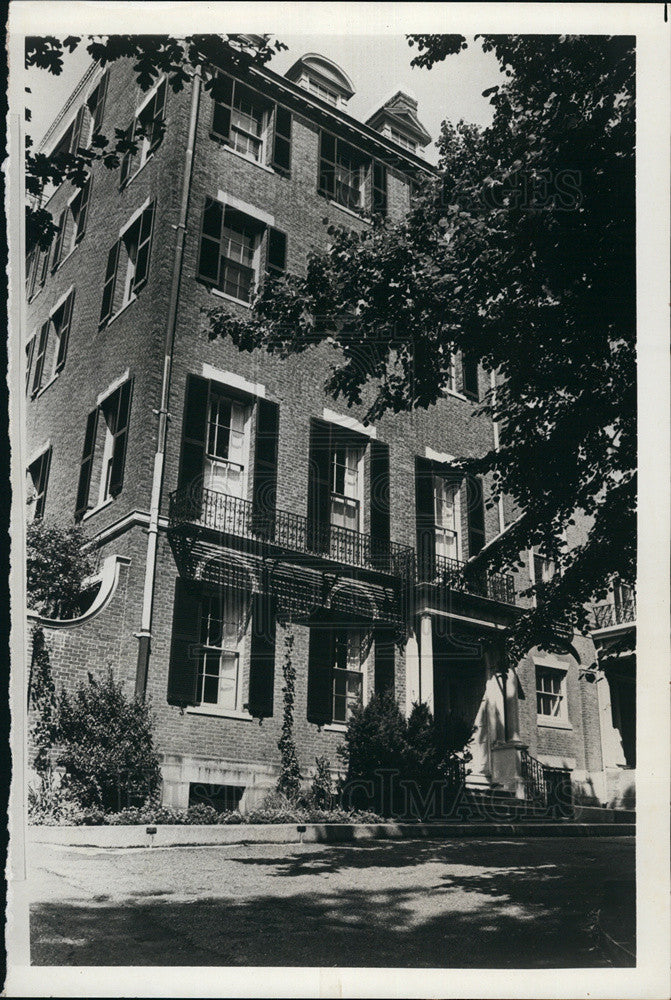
{"type": "Point", "coordinates": [249, 119]}
{"type": "Point", "coordinates": [146, 130]}
{"type": "Point", "coordinates": [350, 177]}
{"type": "Point", "coordinates": [348, 652]}
{"type": "Point", "coordinates": [227, 447]}
{"type": "Point", "coordinates": [451, 383]}
{"type": "Point", "coordinates": [346, 485]}
{"type": "Point", "coordinates": [71, 224]}
{"type": "Point", "coordinates": [551, 693]}
{"type": "Point", "coordinates": [50, 348]}
{"type": "Point", "coordinates": [222, 627]}
{"type": "Point", "coordinates": [319, 90]}
{"type": "Point", "coordinates": [403, 140]}
{"type": "Point", "coordinates": [101, 472]}
{"type": "Point", "coordinates": [233, 245]}
{"type": "Point", "coordinates": [37, 266]}
{"type": "Point", "coordinates": [541, 571]}
{"type": "Point", "coordinates": [251, 125]}
{"type": "Point", "coordinates": [127, 265]}
{"type": "Point", "coordinates": [38, 473]}
{"type": "Point", "coordinates": [447, 517]}
{"type": "Point", "coordinates": [95, 103]}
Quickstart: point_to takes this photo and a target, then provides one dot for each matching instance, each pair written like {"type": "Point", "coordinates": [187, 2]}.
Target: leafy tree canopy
{"type": "Point", "coordinates": [56, 568]}
{"type": "Point", "coordinates": [520, 253]}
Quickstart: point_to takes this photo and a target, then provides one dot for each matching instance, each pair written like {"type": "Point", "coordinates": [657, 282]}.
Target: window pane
{"type": "Point", "coordinates": [228, 681]}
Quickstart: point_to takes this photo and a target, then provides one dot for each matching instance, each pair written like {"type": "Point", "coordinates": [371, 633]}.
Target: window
{"type": "Point", "coordinates": [551, 693]}
{"type": "Point", "coordinates": [403, 141]}
{"type": "Point", "coordinates": [37, 266]}
{"type": "Point", "coordinates": [343, 172]}
{"type": "Point", "coordinates": [127, 266]}
{"type": "Point", "coordinates": [38, 472]}
{"type": "Point", "coordinates": [222, 628]}
{"type": "Point", "coordinates": [52, 345]}
{"type": "Point", "coordinates": [319, 90]}
{"type": "Point", "coordinates": [469, 371]}
{"type": "Point", "coordinates": [70, 141]}
{"type": "Point", "coordinates": [71, 225]}
{"type": "Point", "coordinates": [30, 350]}
{"type": "Point", "coordinates": [451, 383]}
{"type": "Point", "coordinates": [104, 452]}
{"type": "Point", "coordinates": [244, 120]}
{"type": "Point", "coordinates": [347, 646]}
{"type": "Point", "coordinates": [226, 447]}
{"type": "Point", "coordinates": [230, 250]}
{"type": "Point", "coordinates": [446, 517]}
{"type": "Point", "coordinates": [96, 104]}
{"type": "Point", "coordinates": [146, 130]}
{"type": "Point", "coordinates": [345, 486]}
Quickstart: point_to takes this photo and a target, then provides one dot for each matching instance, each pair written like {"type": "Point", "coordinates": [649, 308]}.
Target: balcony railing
{"type": "Point", "coordinates": [456, 575]}
{"type": "Point", "coordinates": [288, 531]}
{"type": "Point", "coordinates": [606, 615]}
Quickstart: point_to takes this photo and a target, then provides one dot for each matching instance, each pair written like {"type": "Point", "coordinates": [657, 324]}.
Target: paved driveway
{"type": "Point", "coordinates": [413, 904]}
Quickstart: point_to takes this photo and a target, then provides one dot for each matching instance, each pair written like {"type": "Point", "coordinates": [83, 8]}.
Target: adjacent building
{"type": "Point", "coordinates": [229, 499]}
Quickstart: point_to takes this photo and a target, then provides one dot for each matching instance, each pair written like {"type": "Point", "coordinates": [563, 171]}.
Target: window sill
{"type": "Point", "coordinates": [129, 180]}
{"type": "Point", "coordinates": [220, 713]}
{"type": "Point", "coordinates": [545, 723]}
{"type": "Point", "coordinates": [119, 312]}
{"type": "Point", "coordinates": [360, 215]}
{"type": "Point", "coordinates": [457, 395]}
{"type": "Point", "coordinates": [46, 385]}
{"type": "Point", "coordinates": [335, 727]}
{"type": "Point", "coordinates": [230, 298]}
{"type": "Point", "coordinates": [248, 159]}
{"type": "Point", "coordinates": [34, 295]}
{"type": "Point", "coordinates": [98, 507]}
{"type": "Point", "coordinates": [63, 259]}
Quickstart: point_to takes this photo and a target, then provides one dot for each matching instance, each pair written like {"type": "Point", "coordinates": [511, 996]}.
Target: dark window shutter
{"type": "Point", "coordinates": [86, 466]}
{"type": "Point", "coordinates": [156, 129]}
{"type": "Point", "coordinates": [379, 205]}
{"type": "Point", "coordinates": [469, 369]}
{"type": "Point", "coordinates": [143, 248]}
{"type": "Point", "coordinates": [476, 515]}
{"type": "Point", "coordinates": [320, 676]}
{"type": "Point", "coordinates": [183, 670]}
{"type": "Point", "coordinates": [41, 353]}
{"type": "Point", "coordinates": [98, 109]}
{"type": "Point", "coordinates": [210, 241]}
{"type": "Point", "coordinates": [40, 475]}
{"type": "Point", "coordinates": [424, 503]}
{"type": "Point", "coordinates": [277, 252]}
{"type": "Point", "coordinates": [60, 236]}
{"type": "Point", "coordinates": [327, 163]}
{"type": "Point", "coordinates": [120, 432]}
{"type": "Point", "coordinates": [194, 430]}
{"type": "Point", "coordinates": [264, 496]}
{"type": "Point", "coordinates": [127, 159]}
{"type": "Point", "coordinates": [319, 485]}
{"type": "Point", "coordinates": [110, 281]}
{"type": "Point", "coordinates": [76, 139]}
{"type": "Point", "coordinates": [281, 158]}
{"type": "Point", "coordinates": [30, 350]}
{"type": "Point", "coordinates": [222, 104]}
{"type": "Point", "coordinates": [384, 661]}
{"type": "Point", "coordinates": [380, 528]}
{"type": "Point", "coordinates": [32, 263]}
{"type": "Point", "coordinates": [85, 196]}
{"type": "Point", "coordinates": [65, 331]}
{"type": "Point", "coordinates": [44, 266]}
{"type": "Point", "coordinates": [262, 657]}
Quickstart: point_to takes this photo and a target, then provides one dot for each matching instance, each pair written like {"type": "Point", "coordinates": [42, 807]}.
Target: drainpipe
{"type": "Point", "coordinates": [495, 426]}
{"type": "Point", "coordinates": [144, 635]}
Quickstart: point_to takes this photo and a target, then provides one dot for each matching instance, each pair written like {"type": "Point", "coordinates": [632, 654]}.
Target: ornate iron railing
{"type": "Point", "coordinates": [547, 786]}
{"type": "Point", "coordinates": [457, 575]}
{"type": "Point", "coordinates": [288, 531]}
{"type": "Point", "coordinates": [615, 614]}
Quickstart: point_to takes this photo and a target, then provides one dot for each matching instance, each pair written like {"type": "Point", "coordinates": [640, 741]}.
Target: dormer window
{"type": "Point", "coordinates": [319, 90]}
{"type": "Point", "coordinates": [403, 140]}
{"type": "Point", "coordinates": [323, 78]}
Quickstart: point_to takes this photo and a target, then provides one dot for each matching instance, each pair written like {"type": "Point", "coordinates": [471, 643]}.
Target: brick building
{"type": "Point", "coordinates": [229, 498]}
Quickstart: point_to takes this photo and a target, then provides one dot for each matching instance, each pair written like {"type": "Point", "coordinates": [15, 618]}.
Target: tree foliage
{"type": "Point", "coordinates": [152, 55]}
{"type": "Point", "coordinates": [520, 252]}
{"type": "Point", "coordinates": [56, 568]}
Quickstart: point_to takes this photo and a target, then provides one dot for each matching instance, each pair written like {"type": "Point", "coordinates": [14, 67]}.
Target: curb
{"type": "Point", "coordinates": [304, 833]}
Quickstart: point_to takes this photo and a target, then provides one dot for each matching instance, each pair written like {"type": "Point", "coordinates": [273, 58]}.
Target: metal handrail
{"type": "Point", "coordinates": [545, 784]}
{"type": "Point", "coordinates": [287, 530]}
{"type": "Point", "coordinates": [606, 615]}
{"type": "Point", "coordinates": [457, 575]}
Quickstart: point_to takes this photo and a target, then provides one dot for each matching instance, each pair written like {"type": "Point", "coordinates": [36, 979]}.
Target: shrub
{"type": "Point", "coordinates": [105, 746]}
{"type": "Point", "coordinates": [56, 567]}
{"type": "Point", "coordinates": [322, 794]}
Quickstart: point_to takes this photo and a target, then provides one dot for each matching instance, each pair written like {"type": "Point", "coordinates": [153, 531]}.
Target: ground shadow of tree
{"type": "Point", "coordinates": [519, 911]}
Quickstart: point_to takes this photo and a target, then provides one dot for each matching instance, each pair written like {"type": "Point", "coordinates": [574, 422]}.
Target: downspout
{"type": "Point", "coordinates": [144, 635]}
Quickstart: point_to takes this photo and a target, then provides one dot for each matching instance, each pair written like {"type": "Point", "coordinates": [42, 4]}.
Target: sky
{"type": "Point", "coordinates": [378, 65]}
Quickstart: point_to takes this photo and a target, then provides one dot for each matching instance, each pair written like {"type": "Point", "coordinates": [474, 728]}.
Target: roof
{"type": "Point", "coordinates": [400, 111]}
{"type": "Point", "coordinates": [318, 65]}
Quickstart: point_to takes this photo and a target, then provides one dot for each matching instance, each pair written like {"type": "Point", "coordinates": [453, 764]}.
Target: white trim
{"type": "Point", "coordinates": [221, 713]}
{"type": "Point", "coordinates": [148, 96]}
{"type": "Point", "coordinates": [39, 452]}
{"type": "Point", "coordinates": [428, 610]}
{"type": "Point", "coordinates": [99, 506]}
{"type": "Point", "coordinates": [134, 217]}
{"type": "Point", "coordinates": [351, 423]}
{"type": "Point", "coordinates": [109, 579]}
{"type": "Point", "coordinates": [46, 385]}
{"type": "Point", "coordinates": [63, 299]}
{"type": "Point", "coordinates": [248, 159]}
{"type": "Point", "coordinates": [231, 298]}
{"type": "Point", "coordinates": [438, 456]}
{"type": "Point", "coordinates": [112, 387]}
{"type": "Point", "coordinates": [233, 380]}
{"type": "Point", "coordinates": [245, 207]}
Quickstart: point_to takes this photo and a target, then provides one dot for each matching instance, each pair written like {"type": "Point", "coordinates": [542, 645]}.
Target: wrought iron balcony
{"type": "Point", "coordinates": [456, 575]}
{"type": "Point", "coordinates": [607, 615]}
{"type": "Point", "coordinates": [284, 530]}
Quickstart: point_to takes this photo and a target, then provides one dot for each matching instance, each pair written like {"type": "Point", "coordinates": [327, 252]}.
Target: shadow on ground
{"type": "Point", "coordinates": [494, 906]}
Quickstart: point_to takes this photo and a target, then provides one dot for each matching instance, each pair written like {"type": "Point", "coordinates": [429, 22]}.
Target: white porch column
{"type": "Point", "coordinates": [512, 707]}
{"type": "Point", "coordinates": [426, 661]}
{"type": "Point", "coordinates": [412, 690]}
{"type": "Point", "coordinates": [611, 742]}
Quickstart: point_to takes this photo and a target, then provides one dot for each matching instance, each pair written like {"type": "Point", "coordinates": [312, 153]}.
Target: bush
{"type": "Point", "coordinates": [322, 794]}
{"type": "Point", "coordinates": [105, 746]}
{"type": "Point", "coordinates": [56, 567]}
